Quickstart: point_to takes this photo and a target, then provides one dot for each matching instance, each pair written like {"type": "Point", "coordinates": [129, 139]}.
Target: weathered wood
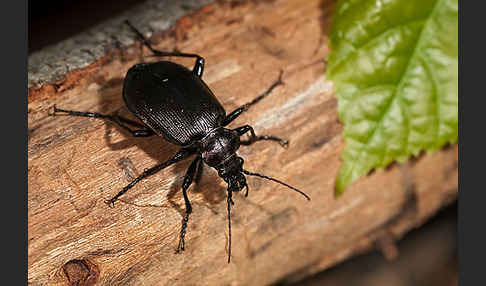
{"type": "Point", "coordinates": [76, 163]}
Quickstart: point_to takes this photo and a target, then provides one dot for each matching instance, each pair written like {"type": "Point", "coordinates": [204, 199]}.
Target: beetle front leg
{"type": "Point", "coordinates": [188, 178]}
{"type": "Point", "coordinates": [254, 138]}
{"type": "Point", "coordinates": [143, 130]}
{"type": "Point", "coordinates": [237, 112]}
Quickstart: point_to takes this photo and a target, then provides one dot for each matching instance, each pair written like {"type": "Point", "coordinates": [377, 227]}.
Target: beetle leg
{"type": "Point", "coordinates": [183, 153]}
{"type": "Point", "coordinates": [230, 202]}
{"type": "Point", "coordinates": [188, 178]}
{"type": "Point", "coordinates": [198, 66]}
{"type": "Point", "coordinates": [199, 173]}
{"type": "Point", "coordinates": [254, 138]}
{"type": "Point", "coordinates": [237, 112]}
{"type": "Point", "coordinates": [143, 130]}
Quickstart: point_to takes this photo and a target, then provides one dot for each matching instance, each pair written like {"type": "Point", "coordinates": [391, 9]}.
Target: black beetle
{"type": "Point", "coordinates": [173, 102]}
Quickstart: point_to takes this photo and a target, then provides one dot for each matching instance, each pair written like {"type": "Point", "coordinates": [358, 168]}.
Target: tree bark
{"type": "Point", "coordinates": [76, 163]}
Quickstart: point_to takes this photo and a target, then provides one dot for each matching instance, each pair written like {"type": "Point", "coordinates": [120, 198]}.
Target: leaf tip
{"type": "Point", "coordinates": [338, 192]}
{"type": "Point", "coordinates": [339, 188]}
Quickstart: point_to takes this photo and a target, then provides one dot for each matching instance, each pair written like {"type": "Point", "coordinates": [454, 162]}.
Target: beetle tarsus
{"type": "Point", "coordinates": [110, 203]}
{"type": "Point", "coordinates": [53, 113]}
{"type": "Point", "coordinates": [188, 179]}
{"type": "Point", "coordinates": [182, 243]}
{"type": "Point", "coordinates": [284, 143]}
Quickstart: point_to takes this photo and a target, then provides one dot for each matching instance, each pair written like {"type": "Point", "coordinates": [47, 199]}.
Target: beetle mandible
{"type": "Point", "coordinates": [175, 103]}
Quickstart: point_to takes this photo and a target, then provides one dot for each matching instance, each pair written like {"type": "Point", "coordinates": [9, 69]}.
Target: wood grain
{"type": "Point", "coordinates": [76, 163]}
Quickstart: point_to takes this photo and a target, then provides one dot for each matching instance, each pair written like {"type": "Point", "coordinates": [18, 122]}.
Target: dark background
{"type": "Point", "coordinates": [55, 20]}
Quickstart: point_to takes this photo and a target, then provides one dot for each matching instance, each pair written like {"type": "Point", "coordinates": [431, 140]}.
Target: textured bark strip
{"type": "Point", "coordinates": [76, 163]}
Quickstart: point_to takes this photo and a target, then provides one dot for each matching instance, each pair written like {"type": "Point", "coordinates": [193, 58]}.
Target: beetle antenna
{"type": "Point", "coordinates": [278, 181]}
{"type": "Point", "coordinates": [230, 202]}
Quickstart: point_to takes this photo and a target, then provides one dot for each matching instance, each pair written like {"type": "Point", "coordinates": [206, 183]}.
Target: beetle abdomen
{"type": "Point", "coordinates": [172, 101]}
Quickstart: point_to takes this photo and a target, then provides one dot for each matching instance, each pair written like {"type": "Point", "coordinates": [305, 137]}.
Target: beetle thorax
{"type": "Point", "coordinates": [219, 146]}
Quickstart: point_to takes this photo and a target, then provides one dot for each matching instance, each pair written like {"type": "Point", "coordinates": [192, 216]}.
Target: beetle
{"type": "Point", "coordinates": [175, 103]}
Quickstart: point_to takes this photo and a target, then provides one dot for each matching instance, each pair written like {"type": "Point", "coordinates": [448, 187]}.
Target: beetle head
{"type": "Point", "coordinates": [231, 170]}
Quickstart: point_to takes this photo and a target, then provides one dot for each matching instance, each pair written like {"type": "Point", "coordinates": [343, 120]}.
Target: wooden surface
{"type": "Point", "coordinates": [76, 163]}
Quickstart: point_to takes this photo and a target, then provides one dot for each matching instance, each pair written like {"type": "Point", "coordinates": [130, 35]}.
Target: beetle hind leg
{"type": "Point", "coordinates": [141, 131]}
{"type": "Point", "coordinates": [198, 66]}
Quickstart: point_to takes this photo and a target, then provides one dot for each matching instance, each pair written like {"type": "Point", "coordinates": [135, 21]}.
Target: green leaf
{"type": "Point", "coordinates": [394, 64]}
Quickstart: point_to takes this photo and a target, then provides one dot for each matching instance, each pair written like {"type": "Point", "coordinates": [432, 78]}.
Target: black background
{"type": "Point", "coordinates": [55, 20]}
